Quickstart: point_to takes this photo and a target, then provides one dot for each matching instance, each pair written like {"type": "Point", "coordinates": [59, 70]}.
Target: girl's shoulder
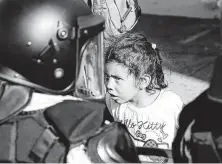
{"type": "Point", "coordinates": [170, 95]}
{"type": "Point", "coordinates": [171, 98]}
{"type": "Point", "coordinates": [172, 102]}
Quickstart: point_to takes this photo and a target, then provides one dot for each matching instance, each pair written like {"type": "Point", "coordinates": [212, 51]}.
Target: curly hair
{"type": "Point", "coordinates": [134, 51]}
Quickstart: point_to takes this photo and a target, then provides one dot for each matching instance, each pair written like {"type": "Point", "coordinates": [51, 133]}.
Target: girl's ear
{"type": "Point", "coordinates": [144, 81]}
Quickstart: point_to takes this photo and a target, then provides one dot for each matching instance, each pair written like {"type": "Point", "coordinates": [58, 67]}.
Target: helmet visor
{"type": "Point", "coordinates": [90, 79]}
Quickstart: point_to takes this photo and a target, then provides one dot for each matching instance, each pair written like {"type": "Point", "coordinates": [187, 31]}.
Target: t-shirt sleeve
{"type": "Point", "coordinates": [178, 108]}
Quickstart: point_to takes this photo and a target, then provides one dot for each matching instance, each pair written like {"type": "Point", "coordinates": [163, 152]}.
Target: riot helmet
{"type": "Point", "coordinates": [53, 46]}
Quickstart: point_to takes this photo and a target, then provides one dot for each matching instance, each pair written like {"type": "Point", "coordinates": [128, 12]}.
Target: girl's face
{"type": "Point", "coordinates": [120, 84]}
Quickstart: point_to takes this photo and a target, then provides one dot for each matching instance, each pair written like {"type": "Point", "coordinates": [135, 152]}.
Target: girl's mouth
{"type": "Point", "coordinates": [112, 95]}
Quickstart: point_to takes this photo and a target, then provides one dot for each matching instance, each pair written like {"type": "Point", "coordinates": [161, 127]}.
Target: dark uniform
{"type": "Point", "coordinates": [199, 137]}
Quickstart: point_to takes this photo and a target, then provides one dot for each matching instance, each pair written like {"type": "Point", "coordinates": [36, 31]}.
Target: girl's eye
{"type": "Point", "coordinates": [107, 77]}
{"type": "Point", "coordinates": [117, 79]}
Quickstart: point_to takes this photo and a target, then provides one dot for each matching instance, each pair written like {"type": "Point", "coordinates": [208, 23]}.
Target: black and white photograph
{"type": "Point", "coordinates": [110, 81]}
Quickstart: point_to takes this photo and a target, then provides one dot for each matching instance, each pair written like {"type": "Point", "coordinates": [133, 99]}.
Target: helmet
{"type": "Point", "coordinates": [51, 45]}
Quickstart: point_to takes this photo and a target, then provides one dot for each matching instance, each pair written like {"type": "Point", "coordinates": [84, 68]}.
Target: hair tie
{"type": "Point", "coordinates": [154, 46]}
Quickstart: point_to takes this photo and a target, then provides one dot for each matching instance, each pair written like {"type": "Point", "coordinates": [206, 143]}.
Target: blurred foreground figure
{"type": "Point", "coordinates": [212, 4]}
{"type": "Point", "coordinates": [121, 16]}
{"type": "Point", "coordinates": [48, 50]}
{"type": "Point", "coordinates": [199, 138]}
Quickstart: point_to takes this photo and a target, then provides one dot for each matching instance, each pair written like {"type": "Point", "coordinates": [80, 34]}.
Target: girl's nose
{"type": "Point", "coordinates": [109, 84]}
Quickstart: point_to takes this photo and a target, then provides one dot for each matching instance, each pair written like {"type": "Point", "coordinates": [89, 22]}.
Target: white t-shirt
{"type": "Point", "coordinates": [152, 126]}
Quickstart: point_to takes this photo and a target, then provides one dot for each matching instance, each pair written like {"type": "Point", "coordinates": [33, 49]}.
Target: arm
{"type": "Point", "coordinates": [179, 106]}
{"type": "Point", "coordinates": [113, 107]}
{"type": "Point", "coordinates": [107, 115]}
{"type": "Point", "coordinates": [109, 104]}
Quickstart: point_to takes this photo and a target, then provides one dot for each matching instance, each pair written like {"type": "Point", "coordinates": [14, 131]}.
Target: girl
{"type": "Point", "coordinates": [137, 94]}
